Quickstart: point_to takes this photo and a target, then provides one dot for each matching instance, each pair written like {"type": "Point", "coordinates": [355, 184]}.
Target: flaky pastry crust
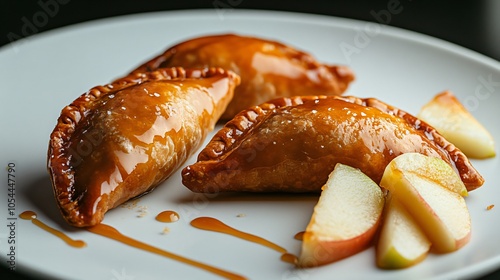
{"type": "Point", "coordinates": [292, 144]}
{"type": "Point", "coordinates": [268, 69]}
{"type": "Point", "coordinates": [118, 141]}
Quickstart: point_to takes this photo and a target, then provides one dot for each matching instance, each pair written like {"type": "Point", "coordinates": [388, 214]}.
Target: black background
{"type": "Point", "coordinates": [471, 24]}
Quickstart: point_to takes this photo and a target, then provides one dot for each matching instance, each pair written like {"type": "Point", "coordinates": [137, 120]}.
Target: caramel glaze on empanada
{"type": "Point", "coordinates": [118, 141]}
{"type": "Point", "coordinates": [268, 69]}
{"type": "Point", "coordinates": [292, 144]}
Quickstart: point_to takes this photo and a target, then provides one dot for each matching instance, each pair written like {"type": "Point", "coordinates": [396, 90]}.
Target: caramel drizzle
{"type": "Point", "coordinates": [289, 258]}
{"type": "Point", "coordinates": [299, 235]}
{"type": "Point", "coordinates": [112, 233]}
{"type": "Point", "coordinates": [167, 216]}
{"type": "Point", "coordinates": [212, 224]}
{"type": "Point", "coordinates": [30, 215]}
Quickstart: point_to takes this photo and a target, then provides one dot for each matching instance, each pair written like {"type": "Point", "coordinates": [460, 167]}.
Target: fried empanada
{"type": "Point", "coordinates": [118, 141]}
{"type": "Point", "coordinates": [268, 69]}
{"type": "Point", "coordinates": [292, 144]}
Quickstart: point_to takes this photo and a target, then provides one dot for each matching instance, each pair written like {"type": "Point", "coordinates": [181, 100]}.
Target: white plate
{"type": "Point", "coordinates": [41, 74]}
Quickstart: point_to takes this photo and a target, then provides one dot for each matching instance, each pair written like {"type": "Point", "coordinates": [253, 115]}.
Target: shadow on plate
{"type": "Point", "coordinates": [249, 197]}
{"type": "Point", "coordinates": [38, 193]}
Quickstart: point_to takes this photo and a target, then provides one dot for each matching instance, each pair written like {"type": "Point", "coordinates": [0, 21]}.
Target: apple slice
{"type": "Point", "coordinates": [344, 220]}
{"type": "Point", "coordinates": [434, 169]}
{"type": "Point", "coordinates": [401, 243]}
{"type": "Point", "coordinates": [450, 118]}
{"type": "Point", "coordinates": [440, 212]}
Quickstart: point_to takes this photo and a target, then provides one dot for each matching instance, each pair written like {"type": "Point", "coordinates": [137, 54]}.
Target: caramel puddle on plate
{"type": "Point", "coordinates": [30, 215]}
{"type": "Point", "coordinates": [299, 235]}
{"type": "Point", "coordinates": [111, 232]}
{"type": "Point", "coordinates": [289, 258]}
{"type": "Point", "coordinates": [212, 224]}
{"type": "Point", "coordinates": [167, 216]}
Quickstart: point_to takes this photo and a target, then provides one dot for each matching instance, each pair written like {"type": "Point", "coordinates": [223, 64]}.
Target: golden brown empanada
{"type": "Point", "coordinates": [118, 141]}
{"type": "Point", "coordinates": [268, 69]}
{"type": "Point", "coordinates": [292, 144]}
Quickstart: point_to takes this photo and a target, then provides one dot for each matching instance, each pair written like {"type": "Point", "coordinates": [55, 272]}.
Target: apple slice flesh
{"type": "Point", "coordinates": [402, 243]}
{"type": "Point", "coordinates": [344, 220]}
{"type": "Point", "coordinates": [441, 213]}
{"type": "Point", "coordinates": [451, 119]}
{"type": "Point", "coordinates": [432, 168]}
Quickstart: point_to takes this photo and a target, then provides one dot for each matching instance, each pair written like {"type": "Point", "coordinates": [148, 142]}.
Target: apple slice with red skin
{"type": "Point", "coordinates": [439, 210]}
{"type": "Point", "coordinates": [345, 219]}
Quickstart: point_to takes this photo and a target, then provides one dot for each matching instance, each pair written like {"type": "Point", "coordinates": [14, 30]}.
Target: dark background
{"type": "Point", "coordinates": [472, 24]}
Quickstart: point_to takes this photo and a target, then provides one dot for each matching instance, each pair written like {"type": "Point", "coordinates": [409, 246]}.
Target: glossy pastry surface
{"type": "Point", "coordinates": [268, 69]}
{"type": "Point", "coordinates": [292, 144]}
{"type": "Point", "coordinates": [118, 141]}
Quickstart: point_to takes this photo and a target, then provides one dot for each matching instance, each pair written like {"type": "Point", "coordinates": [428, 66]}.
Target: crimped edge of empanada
{"type": "Point", "coordinates": [243, 123]}
{"type": "Point", "coordinates": [59, 157]}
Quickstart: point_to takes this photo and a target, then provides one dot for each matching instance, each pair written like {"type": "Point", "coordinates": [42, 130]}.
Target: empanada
{"type": "Point", "coordinates": [119, 141]}
{"type": "Point", "coordinates": [268, 69]}
{"type": "Point", "coordinates": [292, 144]}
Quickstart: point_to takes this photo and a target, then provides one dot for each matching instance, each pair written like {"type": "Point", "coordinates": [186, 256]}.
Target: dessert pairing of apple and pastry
{"type": "Point", "coordinates": [286, 126]}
